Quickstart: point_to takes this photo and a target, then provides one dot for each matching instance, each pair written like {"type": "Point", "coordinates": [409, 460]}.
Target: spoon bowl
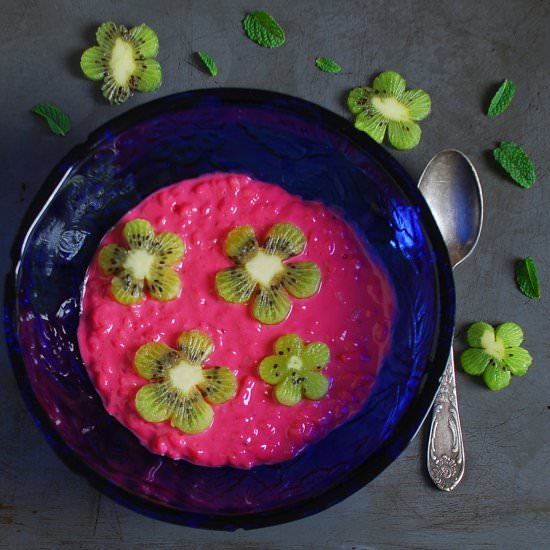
{"type": "Point", "coordinates": [451, 187]}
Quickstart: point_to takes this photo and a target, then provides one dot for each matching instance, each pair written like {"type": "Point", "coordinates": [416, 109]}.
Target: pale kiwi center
{"type": "Point", "coordinates": [122, 64]}
{"type": "Point", "coordinates": [294, 363]}
{"type": "Point", "coordinates": [390, 108]}
{"type": "Point", "coordinates": [185, 376]}
{"type": "Point", "coordinates": [492, 346]}
{"type": "Point", "coordinates": [138, 263]}
{"type": "Point", "coordinates": [264, 267]}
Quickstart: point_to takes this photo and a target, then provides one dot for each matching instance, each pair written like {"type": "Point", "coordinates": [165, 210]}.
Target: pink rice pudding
{"type": "Point", "coordinates": [352, 313]}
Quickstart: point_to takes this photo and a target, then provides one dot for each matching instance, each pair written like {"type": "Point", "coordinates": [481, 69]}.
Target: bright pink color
{"type": "Point", "coordinates": [352, 313]}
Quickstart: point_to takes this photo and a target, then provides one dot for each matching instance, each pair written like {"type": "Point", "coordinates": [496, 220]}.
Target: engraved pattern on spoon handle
{"type": "Point", "coordinates": [445, 446]}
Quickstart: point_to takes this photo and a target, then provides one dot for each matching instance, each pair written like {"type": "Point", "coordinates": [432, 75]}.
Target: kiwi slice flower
{"type": "Point", "coordinates": [495, 354]}
{"type": "Point", "coordinates": [261, 270]}
{"type": "Point", "coordinates": [294, 370]}
{"type": "Point", "coordinates": [145, 264]}
{"type": "Point", "coordinates": [124, 60]}
{"type": "Point", "coordinates": [181, 389]}
{"type": "Point", "coordinates": [388, 105]}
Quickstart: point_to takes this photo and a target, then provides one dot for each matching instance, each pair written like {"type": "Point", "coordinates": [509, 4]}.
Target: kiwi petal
{"type": "Point", "coordinates": [126, 290]}
{"type": "Point", "coordinates": [418, 102]}
{"type": "Point", "coordinates": [145, 39]}
{"type": "Point", "coordinates": [288, 392]}
{"type": "Point", "coordinates": [315, 385]}
{"type": "Point", "coordinates": [113, 92]}
{"type": "Point", "coordinates": [152, 358]}
{"type": "Point", "coordinates": [495, 377]}
{"type": "Point", "coordinates": [107, 33]}
{"type": "Point", "coordinates": [474, 361]}
{"type": "Point", "coordinates": [148, 75]}
{"type": "Point", "coordinates": [271, 305]}
{"type": "Point", "coordinates": [92, 63]}
{"type": "Point", "coordinates": [302, 279]}
{"type": "Point", "coordinates": [289, 344]}
{"type": "Point", "coordinates": [192, 413]}
{"type": "Point", "coordinates": [285, 240]}
{"type": "Point", "coordinates": [510, 334]}
{"type": "Point", "coordinates": [138, 233]}
{"type": "Point", "coordinates": [477, 332]}
{"type": "Point", "coordinates": [111, 258]}
{"type": "Point", "coordinates": [235, 285]}
{"type": "Point", "coordinates": [273, 369]}
{"type": "Point", "coordinates": [151, 405]}
{"type": "Point", "coordinates": [195, 346]}
{"type": "Point", "coordinates": [404, 135]}
{"type": "Point", "coordinates": [169, 248]}
{"type": "Point", "coordinates": [241, 243]}
{"type": "Point", "coordinates": [390, 83]}
{"type": "Point", "coordinates": [374, 125]}
{"type": "Point", "coordinates": [517, 360]}
{"type": "Point", "coordinates": [219, 384]}
{"type": "Point", "coordinates": [316, 356]}
{"type": "Point", "coordinates": [358, 99]}
{"type": "Point", "coordinates": [163, 283]}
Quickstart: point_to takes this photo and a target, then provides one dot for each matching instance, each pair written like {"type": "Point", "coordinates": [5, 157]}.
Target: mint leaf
{"type": "Point", "coordinates": [209, 63]}
{"type": "Point", "coordinates": [502, 98]}
{"type": "Point", "coordinates": [527, 279]}
{"type": "Point", "coordinates": [327, 65]}
{"type": "Point", "coordinates": [261, 28]}
{"type": "Point", "coordinates": [516, 163]}
{"type": "Point", "coordinates": [57, 120]}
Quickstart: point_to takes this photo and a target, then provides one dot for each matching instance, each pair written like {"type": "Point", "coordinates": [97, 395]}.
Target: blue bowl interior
{"type": "Point", "coordinates": [308, 151]}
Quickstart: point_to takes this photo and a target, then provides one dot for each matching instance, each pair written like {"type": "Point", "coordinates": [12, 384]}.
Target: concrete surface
{"type": "Point", "coordinates": [458, 51]}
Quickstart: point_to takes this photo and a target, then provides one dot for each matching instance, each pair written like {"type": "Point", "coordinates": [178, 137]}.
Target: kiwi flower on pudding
{"type": "Point", "coordinates": [145, 264]}
{"type": "Point", "coordinates": [180, 386]}
{"type": "Point", "coordinates": [123, 59]}
{"type": "Point", "coordinates": [295, 369]}
{"type": "Point", "coordinates": [495, 354]}
{"type": "Point", "coordinates": [261, 270]}
{"type": "Point", "coordinates": [387, 105]}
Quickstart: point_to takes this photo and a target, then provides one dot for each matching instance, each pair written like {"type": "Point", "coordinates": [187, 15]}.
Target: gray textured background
{"type": "Point", "coordinates": [458, 51]}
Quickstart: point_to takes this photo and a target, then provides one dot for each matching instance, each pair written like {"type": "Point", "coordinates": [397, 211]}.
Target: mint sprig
{"type": "Point", "coordinates": [209, 63]}
{"type": "Point", "coordinates": [262, 28]}
{"type": "Point", "coordinates": [58, 121]}
{"type": "Point", "coordinates": [527, 278]}
{"type": "Point", "coordinates": [327, 65]}
{"type": "Point", "coordinates": [502, 98]}
{"type": "Point", "coordinates": [516, 163]}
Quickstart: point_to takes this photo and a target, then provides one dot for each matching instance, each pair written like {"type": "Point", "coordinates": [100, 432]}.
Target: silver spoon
{"type": "Point", "coordinates": [451, 188]}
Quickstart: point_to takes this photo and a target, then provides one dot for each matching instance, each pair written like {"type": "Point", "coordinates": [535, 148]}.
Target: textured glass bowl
{"type": "Point", "coordinates": [275, 138]}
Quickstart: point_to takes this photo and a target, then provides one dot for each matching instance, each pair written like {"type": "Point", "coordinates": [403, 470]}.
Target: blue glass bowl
{"type": "Point", "coordinates": [276, 138]}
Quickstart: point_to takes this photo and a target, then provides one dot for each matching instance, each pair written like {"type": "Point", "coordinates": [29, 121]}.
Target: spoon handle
{"type": "Point", "coordinates": [445, 447]}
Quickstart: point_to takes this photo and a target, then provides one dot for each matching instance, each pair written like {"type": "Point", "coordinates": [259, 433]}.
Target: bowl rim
{"type": "Point", "coordinates": [407, 426]}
